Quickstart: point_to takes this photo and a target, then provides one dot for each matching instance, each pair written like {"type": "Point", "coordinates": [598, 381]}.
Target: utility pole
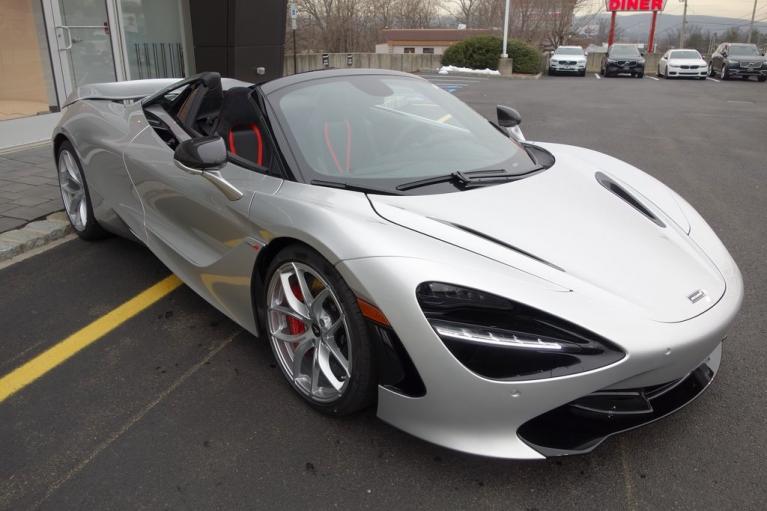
{"type": "Point", "coordinates": [504, 54]}
{"type": "Point", "coordinates": [293, 16]}
{"type": "Point", "coordinates": [751, 28]}
{"type": "Point", "coordinates": [683, 34]}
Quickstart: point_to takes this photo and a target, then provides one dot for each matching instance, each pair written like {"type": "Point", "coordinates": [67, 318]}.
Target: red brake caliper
{"type": "Point", "coordinates": [296, 326]}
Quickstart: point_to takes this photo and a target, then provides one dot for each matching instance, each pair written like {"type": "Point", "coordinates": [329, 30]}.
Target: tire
{"type": "Point", "coordinates": [583, 73]}
{"type": "Point", "coordinates": [723, 73]}
{"type": "Point", "coordinates": [552, 72]}
{"type": "Point", "coordinates": [762, 79]}
{"type": "Point", "coordinates": [711, 69]}
{"type": "Point", "coordinates": [659, 73]}
{"type": "Point", "coordinates": [338, 388]}
{"type": "Point", "coordinates": [75, 194]}
{"type": "Point", "coordinates": [640, 75]}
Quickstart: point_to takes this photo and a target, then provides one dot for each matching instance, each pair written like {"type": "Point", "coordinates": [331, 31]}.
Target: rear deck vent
{"type": "Point", "coordinates": [607, 182]}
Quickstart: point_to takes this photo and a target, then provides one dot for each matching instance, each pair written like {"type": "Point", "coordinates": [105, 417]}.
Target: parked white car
{"type": "Point", "coordinates": [568, 59]}
{"type": "Point", "coordinates": [679, 63]}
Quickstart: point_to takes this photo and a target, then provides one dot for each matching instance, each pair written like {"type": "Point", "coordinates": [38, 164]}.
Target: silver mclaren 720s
{"type": "Point", "coordinates": [489, 294]}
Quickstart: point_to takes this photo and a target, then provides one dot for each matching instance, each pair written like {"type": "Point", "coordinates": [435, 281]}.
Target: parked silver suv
{"type": "Point", "coordinates": [568, 59]}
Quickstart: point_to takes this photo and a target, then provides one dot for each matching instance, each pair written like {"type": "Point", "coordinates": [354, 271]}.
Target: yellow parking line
{"type": "Point", "coordinates": [54, 356]}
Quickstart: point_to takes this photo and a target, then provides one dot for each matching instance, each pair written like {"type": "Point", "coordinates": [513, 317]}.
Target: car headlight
{"type": "Point", "coordinates": [554, 61]}
{"type": "Point", "coordinates": [504, 340]}
{"type": "Point", "coordinates": [641, 61]}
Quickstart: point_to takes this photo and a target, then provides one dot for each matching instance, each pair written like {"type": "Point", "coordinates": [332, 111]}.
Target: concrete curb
{"type": "Point", "coordinates": [34, 234]}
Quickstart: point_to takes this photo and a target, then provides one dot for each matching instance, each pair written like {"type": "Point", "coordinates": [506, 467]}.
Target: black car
{"type": "Point", "coordinates": [623, 59]}
{"type": "Point", "coordinates": [738, 60]}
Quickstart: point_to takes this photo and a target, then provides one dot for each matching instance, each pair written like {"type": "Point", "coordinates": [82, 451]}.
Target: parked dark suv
{"type": "Point", "coordinates": [623, 59]}
{"type": "Point", "coordinates": [738, 60]}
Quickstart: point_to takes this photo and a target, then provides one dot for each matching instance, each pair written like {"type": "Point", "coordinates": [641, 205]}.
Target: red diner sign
{"type": "Point", "coordinates": [635, 5]}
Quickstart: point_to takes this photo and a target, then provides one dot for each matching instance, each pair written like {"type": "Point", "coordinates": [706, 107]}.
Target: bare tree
{"type": "Point", "coordinates": [465, 10]}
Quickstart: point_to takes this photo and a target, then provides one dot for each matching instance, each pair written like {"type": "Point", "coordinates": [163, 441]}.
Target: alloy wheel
{"type": "Point", "coordinates": [72, 190]}
{"type": "Point", "coordinates": [309, 332]}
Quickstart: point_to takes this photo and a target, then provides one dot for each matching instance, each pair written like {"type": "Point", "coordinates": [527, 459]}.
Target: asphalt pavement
{"type": "Point", "coordinates": [177, 408]}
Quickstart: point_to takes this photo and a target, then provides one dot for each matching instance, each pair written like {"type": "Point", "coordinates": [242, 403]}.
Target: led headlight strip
{"type": "Point", "coordinates": [495, 338]}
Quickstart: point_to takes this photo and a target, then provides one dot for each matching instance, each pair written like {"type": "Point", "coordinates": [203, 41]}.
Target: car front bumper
{"type": "Point", "coordinates": [467, 412]}
{"type": "Point", "coordinates": [693, 73]}
{"type": "Point", "coordinates": [568, 68]}
{"type": "Point", "coordinates": [625, 69]}
{"type": "Point", "coordinates": [743, 71]}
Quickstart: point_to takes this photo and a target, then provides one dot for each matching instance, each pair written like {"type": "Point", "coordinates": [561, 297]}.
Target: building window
{"type": "Point", "coordinates": [428, 50]}
{"type": "Point", "coordinates": [409, 50]}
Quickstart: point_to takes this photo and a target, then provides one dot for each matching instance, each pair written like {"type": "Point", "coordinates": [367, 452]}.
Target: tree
{"type": "Point", "coordinates": [465, 10]}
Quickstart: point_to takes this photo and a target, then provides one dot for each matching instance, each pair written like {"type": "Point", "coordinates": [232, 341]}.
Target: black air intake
{"type": "Point", "coordinates": [610, 184]}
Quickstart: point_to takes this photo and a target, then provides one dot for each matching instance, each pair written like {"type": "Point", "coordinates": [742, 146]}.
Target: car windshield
{"type": "Point", "coordinates": [685, 54]}
{"type": "Point", "coordinates": [744, 51]}
{"type": "Point", "coordinates": [381, 131]}
{"type": "Point", "coordinates": [568, 51]}
{"type": "Point", "coordinates": [624, 50]}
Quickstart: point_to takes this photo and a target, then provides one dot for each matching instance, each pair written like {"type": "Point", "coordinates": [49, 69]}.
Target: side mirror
{"type": "Point", "coordinates": [204, 156]}
{"type": "Point", "coordinates": [508, 117]}
{"type": "Point", "coordinates": [196, 155]}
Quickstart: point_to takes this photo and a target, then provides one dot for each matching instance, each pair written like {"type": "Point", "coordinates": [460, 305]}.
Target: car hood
{"type": "Point", "coordinates": [577, 58]}
{"type": "Point", "coordinates": [687, 62]}
{"type": "Point", "coordinates": [566, 226]}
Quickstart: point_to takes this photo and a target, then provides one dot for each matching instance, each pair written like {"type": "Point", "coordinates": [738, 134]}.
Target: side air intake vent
{"type": "Point", "coordinates": [607, 182]}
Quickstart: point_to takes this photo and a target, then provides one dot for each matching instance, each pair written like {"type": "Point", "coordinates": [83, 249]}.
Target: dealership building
{"type": "Point", "coordinates": [48, 48]}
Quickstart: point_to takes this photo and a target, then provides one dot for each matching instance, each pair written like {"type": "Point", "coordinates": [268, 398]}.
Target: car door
{"type": "Point", "coordinates": [203, 235]}
{"type": "Point", "coordinates": [719, 57]}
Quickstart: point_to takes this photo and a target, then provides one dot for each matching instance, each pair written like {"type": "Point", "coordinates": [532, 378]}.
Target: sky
{"type": "Point", "coordinates": [728, 8]}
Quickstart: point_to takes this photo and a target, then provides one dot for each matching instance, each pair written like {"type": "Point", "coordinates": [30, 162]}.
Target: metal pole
{"type": "Point", "coordinates": [683, 34]}
{"type": "Point", "coordinates": [295, 59]}
{"type": "Point", "coordinates": [611, 37]}
{"type": "Point", "coordinates": [505, 55]}
{"type": "Point", "coordinates": [751, 28]}
{"type": "Point", "coordinates": [651, 42]}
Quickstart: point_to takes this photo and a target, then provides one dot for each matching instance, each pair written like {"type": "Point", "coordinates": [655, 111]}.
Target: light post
{"type": "Point", "coordinates": [505, 55]}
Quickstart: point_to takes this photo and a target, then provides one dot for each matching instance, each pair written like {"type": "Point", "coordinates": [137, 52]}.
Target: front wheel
{"type": "Point", "coordinates": [762, 78]}
{"type": "Point", "coordinates": [75, 194]}
{"type": "Point", "coordinates": [317, 332]}
{"type": "Point", "coordinates": [640, 75]}
{"type": "Point", "coordinates": [723, 73]}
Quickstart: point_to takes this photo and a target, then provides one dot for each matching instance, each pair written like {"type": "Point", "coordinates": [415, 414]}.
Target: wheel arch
{"type": "Point", "coordinates": [258, 278]}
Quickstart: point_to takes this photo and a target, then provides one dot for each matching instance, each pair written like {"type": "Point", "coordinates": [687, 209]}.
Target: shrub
{"type": "Point", "coordinates": [525, 58]}
{"type": "Point", "coordinates": [484, 51]}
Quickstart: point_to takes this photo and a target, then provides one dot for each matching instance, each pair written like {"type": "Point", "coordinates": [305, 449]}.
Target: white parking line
{"type": "Point", "coordinates": [597, 75]}
{"type": "Point", "coordinates": [653, 78]}
{"type": "Point", "coordinates": [712, 79]}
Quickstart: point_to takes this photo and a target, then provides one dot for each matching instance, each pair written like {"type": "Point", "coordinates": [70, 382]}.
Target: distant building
{"type": "Point", "coordinates": [425, 40]}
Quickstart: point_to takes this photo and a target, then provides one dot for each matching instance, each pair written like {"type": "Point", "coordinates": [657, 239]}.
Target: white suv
{"type": "Point", "coordinates": [568, 59]}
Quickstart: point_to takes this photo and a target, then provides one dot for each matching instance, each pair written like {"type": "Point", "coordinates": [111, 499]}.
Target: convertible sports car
{"type": "Point", "coordinates": [491, 295]}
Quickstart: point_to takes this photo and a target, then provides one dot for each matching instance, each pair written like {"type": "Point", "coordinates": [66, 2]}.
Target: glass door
{"type": "Point", "coordinates": [83, 42]}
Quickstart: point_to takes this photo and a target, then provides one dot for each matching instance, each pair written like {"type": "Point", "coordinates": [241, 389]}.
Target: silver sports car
{"type": "Point", "coordinates": [491, 295]}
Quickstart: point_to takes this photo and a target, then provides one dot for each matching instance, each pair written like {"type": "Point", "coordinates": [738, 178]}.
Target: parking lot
{"type": "Point", "coordinates": [176, 408]}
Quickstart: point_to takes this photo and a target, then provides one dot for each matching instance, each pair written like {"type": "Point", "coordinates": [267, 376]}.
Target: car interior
{"type": "Point", "coordinates": [202, 108]}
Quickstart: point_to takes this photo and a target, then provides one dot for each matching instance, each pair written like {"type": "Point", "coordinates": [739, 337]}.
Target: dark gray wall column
{"type": "Point", "coordinates": [235, 37]}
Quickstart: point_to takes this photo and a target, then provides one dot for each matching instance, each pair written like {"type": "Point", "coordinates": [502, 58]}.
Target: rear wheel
{"type": "Point", "coordinates": [317, 332]}
{"type": "Point", "coordinates": [75, 195]}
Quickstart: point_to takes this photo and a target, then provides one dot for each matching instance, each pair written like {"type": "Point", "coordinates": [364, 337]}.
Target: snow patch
{"type": "Point", "coordinates": [455, 69]}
